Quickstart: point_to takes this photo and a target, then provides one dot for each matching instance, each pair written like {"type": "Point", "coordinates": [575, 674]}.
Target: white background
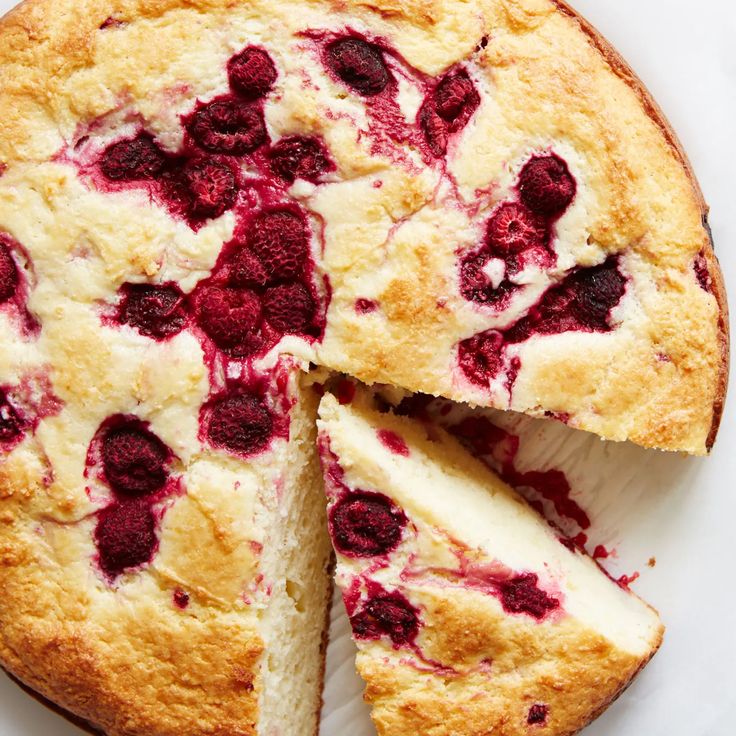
{"type": "Point", "coordinates": [685, 53]}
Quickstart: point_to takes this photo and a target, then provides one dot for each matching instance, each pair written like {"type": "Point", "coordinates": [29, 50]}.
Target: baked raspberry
{"type": "Point", "coordinates": [134, 459]}
{"type": "Point", "coordinates": [299, 157]}
{"type": "Point", "coordinates": [455, 96]}
{"type": "Point", "coordinates": [359, 64]}
{"type": "Point", "coordinates": [435, 129]}
{"type": "Point", "coordinates": [228, 126]}
{"type": "Point", "coordinates": [289, 308]}
{"type": "Point", "coordinates": [252, 72]}
{"type": "Point", "coordinates": [596, 291]}
{"type": "Point", "coordinates": [181, 598]}
{"type": "Point", "coordinates": [393, 441]}
{"type": "Point", "coordinates": [280, 239]}
{"type": "Point", "coordinates": [241, 423]}
{"type": "Point", "coordinates": [387, 614]}
{"type": "Point", "coordinates": [366, 524]}
{"type": "Point", "coordinates": [366, 306]}
{"type": "Point", "coordinates": [134, 159]}
{"type": "Point", "coordinates": [475, 284]}
{"type": "Point", "coordinates": [537, 714]}
{"type": "Point", "coordinates": [521, 594]}
{"type": "Point", "coordinates": [230, 318]}
{"type": "Point", "coordinates": [11, 424]}
{"type": "Point", "coordinates": [700, 266]}
{"type": "Point", "coordinates": [546, 185]}
{"type": "Point", "coordinates": [212, 187]}
{"type": "Point", "coordinates": [481, 357]}
{"type": "Point", "coordinates": [155, 310]}
{"type": "Point", "coordinates": [514, 228]}
{"type": "Point", "coordinates": [125, 536]}
{"type": "Point", "coordinates": [8, 273]}
{"type": "Point", "coordinates": [246, 269]}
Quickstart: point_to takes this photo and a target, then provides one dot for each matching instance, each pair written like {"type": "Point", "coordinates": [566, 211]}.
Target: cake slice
{"type": "Point", "coordinates": [470, 615]}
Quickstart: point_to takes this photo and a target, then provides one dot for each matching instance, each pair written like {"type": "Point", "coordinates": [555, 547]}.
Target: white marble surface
{"type": "Point", "coordinates": [679, 510]}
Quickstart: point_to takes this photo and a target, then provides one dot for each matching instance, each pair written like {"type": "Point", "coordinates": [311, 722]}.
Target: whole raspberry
{"type": "Point", "coordinates": [157, 311]}
{"type": "Point", "coordinates": [280, 239]}
{"type": "Point", "coordinates": [456, 96]}
{"type": "Point", "coordinates": [546, 185]}
{"type": "Point", "coordinates": [252, 73]}
{"type": "Point", "coordinates": [596, 291]}
{"type": "Point", "coordinates": [247, 270]}
{"type": "Point", "coordinates": [289, 308]}
{"type": "Point", "coordinates": [387, 614]}
{"type": "Point", "coordinates": [514, 228]}
{"type": "Point", "coordinates": [359, 64]}
{"type": "Point", "coordinates": [212, 187]}
{"type": "Point", "coordinates": [125, 536]}
{"type": "Point", "coordinates": [481, 357]}
{"type": "Point", "coordinates": [299, 157]}
{"type": "Point", "coordinates": [134, 459]}
{"type": "Point", "coordinates": [131, 160]}
{"type": "Point", "coordinates": [435, 129]}
{"type": "Point", "coordinates": [228, 126]}
{"type": "Point", "coordinates": [230, 317]}
{"type": "Point", "coordinates": [241, 423]}
{"type": "Point", "coordinates": [8, 273]}
{"type": "Point", "coordinates": [366, 524]}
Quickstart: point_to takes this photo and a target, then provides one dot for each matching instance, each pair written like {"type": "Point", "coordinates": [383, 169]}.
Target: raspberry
{"type": "Point", "coordinates": [366, 524]}
{"type": "Point", "coordinates": [456, 95]}
{"type": "Point", "coordinates": [251, 72]}
{"type": "Point", "coordinates": [537, 714]}
{"type": "Point", "coordinates": [134, 459]}
{"type": "Point", "coordinates": [299, 157]}
{"type": "Point", "coordinates": [212, 188]}
{"type": "Point", "coordinates": [546, 185]}
{"type": "Point", "coordinates": [131, 160]}
{"type": "Point", "coordinates": [394, 442]}
{"type": "Point", "coordinates": [154, 310]}
{"type": "Point", "coordinates": [475, 285]}
{"type": "Point", "coordinates": [289, 308]}
{"type": "Point", "coordinates": [228, 126]}
{"type": "Point", "coordinates": [8, 273]}
{"type": "Point", "coordinates": [126, 536]}
{"type": "Point", "coordinates": [387, 614]}
{"type": "Point", "coordinates": [481, 357]}
{"type": "Point", "coordinates": [596, 291]}
{"type": "Point", "coordinates": [230, 317]}
{"type": "Point", "coordinates": [700, 266]}
{"type": "Point", "coordinates": [247, 269]}
{"type": "Point", "coordinates": [11, 424]}
{"type": "Point", "coordinates": [434, 128]}
{"type": "Point", "coordinates": [514, 228]}
{"type": "Point", "coordinates": [359, 64]}
{"type": "Point", "coordinates": [240, 423]}
{"type": "Point", "coordinates": [521, 594]}
{"type": "Point", "coordinates": [280, 239]}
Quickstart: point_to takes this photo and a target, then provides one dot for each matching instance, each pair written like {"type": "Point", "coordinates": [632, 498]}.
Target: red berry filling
{"type": "Point", "coordinates": [230, 318]}
{"type": "Point", "coordinates": [366, 524]}
{"type": "Point", "coordinates": [252, 72]}
{"type": "Point", "coordinates": [522, 594]}
{"type": "Point", "coordinates": [134, 459]}
{"type": "Point", "coordinates": [156, 311]}
{"type": "Point", "coordinates": [481, 357]}
{"type": "Point", "coordinates": [289, 307]}
{"type": "Point", "coordinates": [700, 266]}
{"type": "Point", "coordinates": [125, 536]}
{"type": "Point", "coordinates": [181, 598]}
{"type": "Point", "coordinates": [393, 442]}
{"type": "Point", "coordinates": [358, 64]}
{"type": "Point", "coordinates": [11, 423]}
{"type": "Point", "coordinates": [435, 130]}
{"type": "Point", "coordinates": [211, 186]}
{"type": "Point", "coordinates": [299, 157]}
{"type": "Point", "coordinates": [537, 714]}
{"type": "Point", "coordinates": [546, 185]}
{"type": "Point", "coordinates": [475, 284]}
{"type": "Point", "coordinates": [387, 614]}
{"type": "Point", "coordinates": [241, 423]}
{"type": "Point", "coordinates": [246, 269]}
{"type": "Point", "coordinates": [514, 228]}
{"type": "Point", "coordinates": [131, 160]}
{"type": "Point", "coordinates": [9, 278]}
{"type": "Point", "coordinates": [228, 126]}
{"type": "Point", "coordinates": [280, 239]}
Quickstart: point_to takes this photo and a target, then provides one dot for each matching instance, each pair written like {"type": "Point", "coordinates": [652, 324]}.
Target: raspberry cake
{"type": "Point", "coordinates": [200, 199]}
{"type": "Point", "coordinates": [470, 615]}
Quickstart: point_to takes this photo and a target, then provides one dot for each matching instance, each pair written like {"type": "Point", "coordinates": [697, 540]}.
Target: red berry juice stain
{"type": "Point", "coordinates": [393, 441]}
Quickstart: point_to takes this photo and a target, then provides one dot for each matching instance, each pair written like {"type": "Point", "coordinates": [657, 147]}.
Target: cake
{"type": "Point", "coordinates": [470, 614]}
{"type": "Point", "coordinates": [201, 201]}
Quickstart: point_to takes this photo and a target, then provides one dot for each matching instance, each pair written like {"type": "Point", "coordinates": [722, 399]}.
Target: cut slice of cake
{"type": "Point", "coordinates": [470, 615]}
